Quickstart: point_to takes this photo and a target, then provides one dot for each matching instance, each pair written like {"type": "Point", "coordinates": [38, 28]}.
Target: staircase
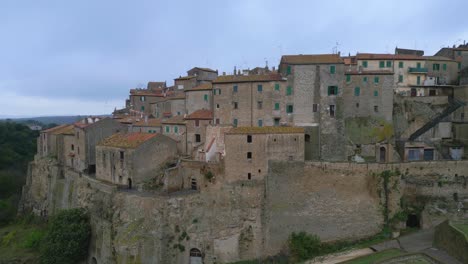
{"type": "Point", "coordinates": [454, 104]}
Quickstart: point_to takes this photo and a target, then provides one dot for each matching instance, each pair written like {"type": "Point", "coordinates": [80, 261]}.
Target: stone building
{"type": "Point", "coordinates": [47, 142]}
{"type": "Point", "coordinates": [196, 124]}
{"type": "Point", "coordinates": [169, 106]}
{"type": "Point", "coordinates": [146, 125]}
{"type": "Point", "coordinates": [458, 54]}
{"type": "Point", "coordinates": [129, 159]}
{"type": "Point", "coordinates": [316, 84]}
{"type": "Point", "coordinates": [140, 100]}
{"type": "Point", "coordinates": [65, 144]}
{"type": "Point", "coordinates": [175, 128]}
{"type": "Point", "coordinates": [199, 97]}
{"type": "Point", "coordinates": [88, 132]}
{"type": "Point", "coordinates": [248, 150]}
{"type": "Point", "coordinates": [203, 74]}
{"type": "Point", "coordinates": [252, 100]}
{"type": "Point", "coordinates": [156, 86]}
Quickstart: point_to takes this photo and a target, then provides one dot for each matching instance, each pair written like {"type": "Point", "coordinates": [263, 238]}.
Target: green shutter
{"type": "Point", "coordinates": [400, 78]}
{"type": "Point", "coordinates": [418, 80]}
{"type": "Point", "coordinates": [289, 90]}
{"type": "Point", "coordinates": [364, 79]}
{"type": "Point", "coordinates": [288, 70]}
{"type": "Point", "coordinates": [389, 64]}
{"type": "Point", "coordinates": [205, 97]}
{"type": "Point", "coordinates": [277, 106]}
{"type": "Point", "coordinates": [364, 64]}
{"type": "Point", "coordinates": [142, 108]}
{"type": "Point", "coordinates": [167, 129]}
{"type": "Point", "coordinates": [418, 65]}
{"type": "Point", "coordinates": [260, 122]}
{"type": "Point", "coordinates": [376, 93]}
{"type": "Point", "coordinates": [176, 129]}
{"type": "Point", "coordinates": [376, 79]}
{"type": "Point", "coordinates": [259, 88]}
{"type": "Point", "coordinates": [277, 87]}
{"type": "Point", "coordinates": [459, 65]}
{"type": "Point", "coordinates": [348, 78]}
{"type": "Point", "coordinates": [234, 122]}
{"type": "Point", "coordinates": [382, 64]}
{"type": "Point", "coordinates": [444, 67]}
{"type": "Point", "coordinates": [400, 64]}
{"type": "Point", "coordinates": [357, 91]}
{"type": "Point", "coordinates": [332, 69]}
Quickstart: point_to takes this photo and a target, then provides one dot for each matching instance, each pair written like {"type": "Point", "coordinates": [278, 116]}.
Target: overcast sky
{"type": "Point", "coordinates": [81, 57]}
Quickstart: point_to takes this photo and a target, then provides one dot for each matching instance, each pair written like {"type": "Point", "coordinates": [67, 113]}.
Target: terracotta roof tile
{"type": "Point", "coordinates": [138, 92]}
{"type": "Point", "coordinates": [311, 59]}
{"type": "Point", "coordinates": [175, 120]}
{"type": "Point", "coordinates": [266, 130]}
{"type": "Point", "coordinates": [204, 69]}
{"type": "Point", "coordinates": [437, 58]}
{"type": "Point", "coordinates": [377, 56]}
{"type": "Point", "coordinates": [66, 130]}
{"type": "Point", "coordinates": [185, 78]}
{"type": "Point", "coordinates": [156, 85]}
{"type": "Point", "coordinates": [52, 129]}
{"type": "Point", "coordinates": [248, 78]}
{"type": "Point", "coordinates": [130, 140]}
{"type": "Point", "coordinates": [202, 114]}
{"type": "Point", "coordinates": [201, 87]}
{"type": "Point", "coordinates": [151, 122]}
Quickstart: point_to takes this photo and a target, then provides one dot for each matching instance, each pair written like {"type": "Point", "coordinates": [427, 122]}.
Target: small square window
{"type": "Point", "coordinates": [197, 138]}
{"type": "Point", "coordinates": [364, 64]}
{"type": "Point", "coordinates": [234, 89]}
{"type": "Point", "coordinates": [260, 88]}
{"type": "Point", "coordinates": [289, 109]}
{"type": "Point", "coordinates": [364, 79]}
{"type": "Point", "coordinates": [259, 104]}
{"type": "Point", "coordinates": [249, 155]}
{"type": "Point", "coordinates": [381, 64]}
{"type": "Point", "coordinates": [205, 97]}
{"type": "Point", "coordinates": [389, 64]}
{"type": "Point", "coordinates": [376, 108]}
{"type": "Point", "coordinates": [332, 90]}
{"type": "Point", "coordinates": [400, 64]}
{"type": "Point", "coordinates": [235, 105]}
{"type": "Point", "coordinates": [277, 106]}
{"type": "Point", "coordinates": [376, 80]}
{"type": "Point", "coordinates": [376, 93]}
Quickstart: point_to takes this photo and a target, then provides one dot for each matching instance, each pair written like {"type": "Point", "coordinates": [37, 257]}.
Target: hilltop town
{"type": "Point", "coordinates": [239, 161]}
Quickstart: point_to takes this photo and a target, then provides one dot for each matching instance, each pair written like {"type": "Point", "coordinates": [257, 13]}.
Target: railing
{"type": "Point", "coordinates": [417, 70]}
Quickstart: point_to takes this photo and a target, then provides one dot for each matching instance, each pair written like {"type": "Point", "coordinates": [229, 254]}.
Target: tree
{"type": "Point", "coordinates": [67, 238]}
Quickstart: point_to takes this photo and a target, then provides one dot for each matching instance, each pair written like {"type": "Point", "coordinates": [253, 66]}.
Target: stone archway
{"type": "Point", "coordinates": [196, 256]}
{"type": "Point", "coordinates": [412, 221]}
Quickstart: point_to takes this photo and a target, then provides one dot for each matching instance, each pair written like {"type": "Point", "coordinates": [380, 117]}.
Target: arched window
{"type": "Point", "coordinates": [196, 256]}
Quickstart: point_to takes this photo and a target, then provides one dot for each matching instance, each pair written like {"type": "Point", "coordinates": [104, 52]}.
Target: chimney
{"type": "Point", "coordinates": [273, 68]}
{"type": "Point", "coordinates": [238, 72]}
{"type": "Point", "coordinates": [224, 73]}
{"type": "Point", "coordinates": [235, 71]}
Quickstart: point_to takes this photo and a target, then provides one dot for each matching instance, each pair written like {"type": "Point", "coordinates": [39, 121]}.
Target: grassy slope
{"type": "Point", "coordinates": [463, 228]}
{"type": "Point", "coordinates": [14, 243]}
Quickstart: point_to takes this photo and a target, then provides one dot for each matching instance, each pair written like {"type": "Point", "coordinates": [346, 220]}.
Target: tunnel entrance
{"type": "Point", "coordinates": [412, 221]}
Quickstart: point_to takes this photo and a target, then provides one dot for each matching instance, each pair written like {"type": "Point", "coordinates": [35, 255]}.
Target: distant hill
{"type": "Point", "coordinates": [59, 120]}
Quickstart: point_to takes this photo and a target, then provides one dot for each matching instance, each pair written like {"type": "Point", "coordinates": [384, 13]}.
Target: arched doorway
{"type": "Point", "coordinates": [412, 221]}
{"type": "Point", "coordinates": [383, 154]}
{"type": "Point", "coordinates": [94, 260]}
{"type": "Point", "coordinates": [129, 183]}
{"type": "Point", "coordinates": [196, 256]}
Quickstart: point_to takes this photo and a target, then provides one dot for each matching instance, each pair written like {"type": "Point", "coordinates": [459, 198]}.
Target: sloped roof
{"type": "Point", "coordinates": [66, 130]}
{"type": "Point", "coordinates": [128, 140]}
{"type": "Point", "coordinates": [311, 59]}
{"type": "Point", "coordinates": [202, 114]}
{"type": "Point", "coordinates": [248, 78]}
{"type": "Point", "coordinates": [138, 92]}
{"type": "Point", "coordinates": [175, 120]}
{"type": "Point", "coordinates": [156, 85]}
{"type": "Point", "coordinates": [203, 69]}
{"type": "Point", "coordinates": [379, 56]}
{"type": "Point", "coordinates": [409, 51]}
{"type": "Point", "coordinates": [150, 122]}
{"type": "Point", "coordinates": [52, 129]}
{"type": "Point", "coordinates": [185, 78]}
{"type": "Point", "coordinates": [438, 58]}
{"type": "Point", "coordinates": [354, 72]}
{"type": "Point", "coordinates": [201, 87]}
{"type": "Point", "coordinates": [266, 130]}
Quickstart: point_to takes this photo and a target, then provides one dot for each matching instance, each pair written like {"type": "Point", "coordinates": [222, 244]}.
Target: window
{"type": "Point", "coordinates": [277, 87]}
{"type": "Point", "coordinates": [288, 70]}
{"type": "Point", "coordinates": [78, 150]}
{"type": "Point", "coordinates": [364, 64]}
{"type": "Point", "coordinates": [289, 90]}
{"type": "Point", "coordinates": [259, 88]}
{"type": "Point", "coordinates": [249, 138]}
{"type": "Point", "coordinates": [249, 155]}
{"type": "Point", "coordinates": [234, 89]}
{"type": "Point", "coordinates": [235, 105]}
{"type": "Point", "coordinates": [357, 91]}
{"type": "Point", "coordinates": [72, 147]}
{"type": "Point", "coordinates": [348, 78]}
{"type": "Point", "coordinates": [142, 98]}
{"type": "Point", "coordinates": [289, 109]}
{"type": "Point", "coordinates": [314, 108]}
{"type": "Point", "coordinates": [413, 154]}
{"type": "Point", "coordinates": [400, 64]}
{"type": "Point", "coordinates": [260, 122]}
{"type": "Point", "coordinates": [376, 80]}
{"type": "Point", "coordinates": [259, 104]}
{"type": "Point", "coordinates": [459, 65]}
{"type": "Point", "coordinates": [197, 123]}
{"type": "Point", "coordinates": [400, 78]}
{"type": "Point", "coordinates": [381, 64]}
{"type": "Point", "coordinates": [357, 105]}
{"type": "Point", "coordinates": [376, 108]}
{"type": "Point", "coordinates": [277, 121]}
{"type": "Point", "coordinates": [178, 113]}
{"type": "Point", "coordinates": [389, 64]}
{"type": "Point", "coordinates": [332, 110]}
{"type": "Point", "coordinates": [418, 65]}
{"type": "Point", "coordinates": [418, 80]}
{"type": "Point", "coordinates": [168, 129]}
{"type": "Point", "coordinates": [364, 79]}
{"type": "Point", "coordinates": [217, 106]}
{"type": "Point", "coordinates": [444, 67]}
{"type": "Point", "coordinates": [234, 122]}
{"type": "Point", "coordinates": [217, 121]}
{"type": "Point", "coordinates": [205, 97]}
{"type": "Point", "coordinates": [376, 93]}
{"type": "Point", "coordinates": [142, 108]}
{"type": "Point", "coordinates": [176, 129]}
{"type": "Point", "coordinates": [332, 69]}
{"type": "Point", "coordinates": [249, 176]}
{"type": "Point", "coordinates": [459, 53]}
{"type": "Point", "coordinates": [332, 90]}
{"type": "Point", "coordinates": [435, 66]}
{"type": "Point", "coordinates": [122, 155]}
{"type": "Point", "coordinates": [197, 138]}
{"type": "Point", "coordinates": [277, 106]}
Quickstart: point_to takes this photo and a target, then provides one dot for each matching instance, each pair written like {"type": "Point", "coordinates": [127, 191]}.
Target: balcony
{"type": "Point", "coordinates": [417, 70]}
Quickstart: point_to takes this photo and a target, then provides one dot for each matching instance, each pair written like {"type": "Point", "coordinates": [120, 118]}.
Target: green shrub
{"type": "Point", "coordinates": [33, 239]}
{"type": "Point", "coordinates": [303, 246]}
{"type": "Point", "coordinates": [209, 176]}
{"type": "Point", "coordinates": [67, 238]}
{"type": "Point", "coordinates": [6, 239]}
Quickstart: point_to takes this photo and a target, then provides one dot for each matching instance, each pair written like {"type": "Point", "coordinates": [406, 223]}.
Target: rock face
{"type": "Point", "coordinates": [245, 219]}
